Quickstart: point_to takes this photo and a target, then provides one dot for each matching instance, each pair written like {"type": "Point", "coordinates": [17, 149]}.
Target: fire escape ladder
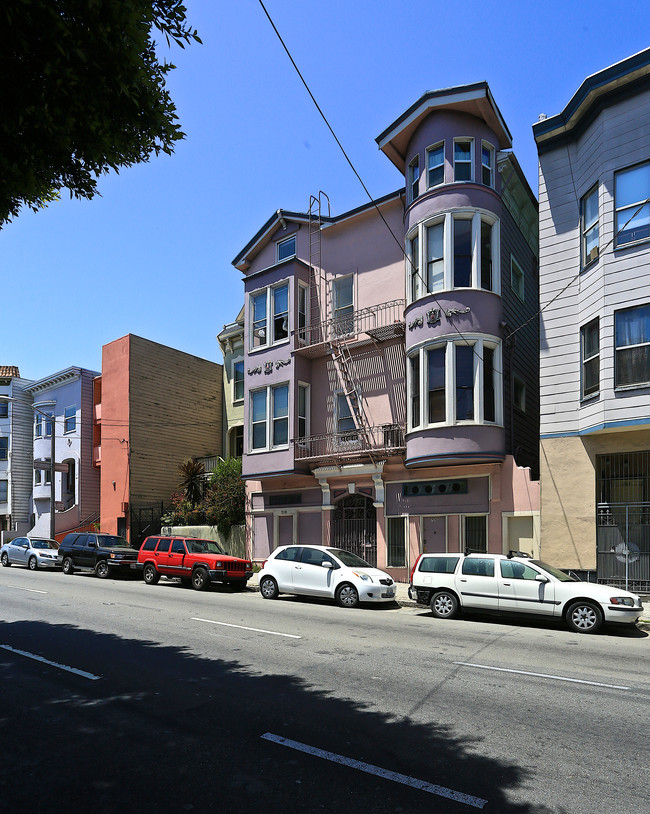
{"type": "Point", "coordinates": [351, 387]}
{"type": "Point", "coordinates": [317, 307]}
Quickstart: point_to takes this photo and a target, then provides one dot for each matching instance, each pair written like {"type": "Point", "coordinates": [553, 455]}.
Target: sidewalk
{"type": "Point", "coordinates": [402, 598]}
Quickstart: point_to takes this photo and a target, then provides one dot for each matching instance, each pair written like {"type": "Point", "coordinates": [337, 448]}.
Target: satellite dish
{"type": "Point", "coordinates": [632, 552]}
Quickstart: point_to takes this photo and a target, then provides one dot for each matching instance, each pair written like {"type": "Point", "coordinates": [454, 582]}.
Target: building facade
{"type": "Point", "coordinates": [154, 407]}
{"type": "Point", "coordinates": [594, 201]}
{"type": "Point", "coordinates": [231, 342]}
{"type": "Point", "coordinates": [16, 452]}
{"type": "Point", "coordinates": [389, 406]}
{"type": "Point", "coordinates": [63, 414]}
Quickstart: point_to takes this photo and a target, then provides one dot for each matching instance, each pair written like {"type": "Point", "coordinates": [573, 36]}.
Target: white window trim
{"type": "Point", "coordinates": [231, 438]}
{"type": "Point", "coordinates": [302, 287]}
{"type": "Point", "coordinates": [269, 315]}
{"type": "Point", "coordinates": [450, 343]}
{"type": "Point", "coordinates": [412, 194]}
{"type": "Point", "coordinates": [307, 387]}
{"type": "Point", "coordinates": [491, 148]}
{"type": "Point", "coordinates": [632, 385]}
{"type": "Point", "coordinates": [429, 150]}
{"type": "Point", "coordinates": [477, 216]}
{"type": "Point", "coordinates": [630, 207]}
{"type": "Point", "coordinates": [335, 282]}
{"type": "Point", "coordinates": [584, 359]}
{"type": "Point", "coordinates": [67, 418]}
{"type": "Point", "coordinates": [513, 263]}
{"type": "Point", "coordinates": [277, 249]}
{"type": "Point", "coordinates": [337, 395]}
{"type": "Point", "coordinates": [584, 228]}
{"type": "Point", "coordinates": [472, 160]}
{"type": "Point", "coordinates": [233, 398]}
{"type": "Point", "coordinates": [268, 418]}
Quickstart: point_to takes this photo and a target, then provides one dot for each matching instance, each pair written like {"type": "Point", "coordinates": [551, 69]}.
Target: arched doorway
{"type": "Point", "coordinates": [354, 527]}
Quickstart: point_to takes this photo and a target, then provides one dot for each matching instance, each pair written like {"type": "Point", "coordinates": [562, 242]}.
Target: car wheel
{"type": "Point", "coordinates": [200, 579]}
{"type": "Point", "coordinates": [101, 569]}
{"type": "Point", "coordinates": [32, 564]}
{"type": "Point", "coordinates": [444, 605]}
{"type": "Point", "coordinates": [150, 575]}
{"type": "Point", "coordinates": [347, 595]}
{"type": "Point", "coordinates": [269, 588]}
{"type": "Point", "coordinates": [584, 617]}
{"type": "Point", "coordinates": [68, 566]}
{"type": "Point", "coordinates": [5, 560]}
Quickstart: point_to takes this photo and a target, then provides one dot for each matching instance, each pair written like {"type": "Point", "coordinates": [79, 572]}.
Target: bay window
{"type": "Point", "coordinates": [413, 179]}
{"type": "Point", "coordinates": [589, 226]}
{"type": "Point", "coordinates": [460, 249]}
{"type": "Point", "coordinates": [269, 417]}
{"type": "Point", "coordinates": [590, 358]}
{"type": "Point", "coordinates": [269, 307]}
{"type": "Point", "coordinates": [631, 194]}
{"type": "Point", "coordinates": [463, 159]}
{"type": "Point", "coordinates": [632, 328]}
{"type": "Point", "coordinates": [436, 165]}
{"type": "Point", "coordinates": [461, 380]}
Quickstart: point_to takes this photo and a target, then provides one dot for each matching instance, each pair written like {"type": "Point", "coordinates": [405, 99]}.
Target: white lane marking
{"type": "Point", "coordinates": [74, 670]}
{"type": "Point", "coordinates": [31, 590]}
{"type": "Point", "coordinates": [241, 627]}
{"type": "Point", "coordinates": [431, 788]}
{"type": "Point", "coordinates": [542, 675]}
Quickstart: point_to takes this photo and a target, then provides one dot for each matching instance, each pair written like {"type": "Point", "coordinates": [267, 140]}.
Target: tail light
{"type": "Point", "coordinates": [415, 565]}
{"type": "Point", "coordinates": [264, 563]}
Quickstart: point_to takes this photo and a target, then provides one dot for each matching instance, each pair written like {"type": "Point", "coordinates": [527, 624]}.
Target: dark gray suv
{"type": "Point", "coordinates": [104, 554]}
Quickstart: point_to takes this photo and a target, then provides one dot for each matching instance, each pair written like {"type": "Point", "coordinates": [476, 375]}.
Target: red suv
{"type": "Point", "coordinates": [197, 562]}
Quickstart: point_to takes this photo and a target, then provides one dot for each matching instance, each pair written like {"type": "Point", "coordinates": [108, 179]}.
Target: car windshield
{"type": "Point", "coordinates": [112, 541]}
{"type": "Point", "coordinates": [555, 572]}
{"type": "Point", "coordinates": [347, 558]}
{"type": "Point", "coordinates": [204, 547]}
{"type": "Point", "coordinates": [42, 544]}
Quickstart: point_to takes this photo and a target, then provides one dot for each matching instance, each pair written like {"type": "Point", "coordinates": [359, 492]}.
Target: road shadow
{"type": "Point", "coordinates": [166, 730]}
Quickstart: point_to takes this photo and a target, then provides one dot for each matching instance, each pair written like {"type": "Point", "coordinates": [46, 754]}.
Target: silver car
{"type": "Point", "coordinates": [34, 552]}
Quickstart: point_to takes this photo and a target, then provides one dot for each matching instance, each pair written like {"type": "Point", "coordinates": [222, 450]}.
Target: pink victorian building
{"type": "Point", "coordinates": [388, 407]}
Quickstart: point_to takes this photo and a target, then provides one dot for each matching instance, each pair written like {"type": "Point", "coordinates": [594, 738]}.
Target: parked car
{"type": "Point", "coordinates": [34, 552]}
{"type": "Point", "coordinates": [509, 583]}
{"type": "Point", "coordinates": [197, 562]}
{"type": "Point", "coordinates": [105, 554]}
{"type": "Point", "coordinates": [313, 570]}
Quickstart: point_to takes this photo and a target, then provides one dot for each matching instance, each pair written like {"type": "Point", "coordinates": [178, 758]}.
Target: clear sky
{"type": "Point", "coordinates": [153, 255]}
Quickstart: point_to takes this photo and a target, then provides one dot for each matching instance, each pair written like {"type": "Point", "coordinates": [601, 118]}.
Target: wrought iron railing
{"type": "Point", "coordinates": [382, 321]}
{"type": "Point", "coordinates": [386, 439]}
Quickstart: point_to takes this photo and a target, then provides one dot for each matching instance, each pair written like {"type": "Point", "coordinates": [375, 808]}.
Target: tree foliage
{"type": "Point", "coordinates": [227, 496]}
{"type": "Point", "coordinates": [83, 92]}
{"type": "Point", "coordinates": [192, 479]}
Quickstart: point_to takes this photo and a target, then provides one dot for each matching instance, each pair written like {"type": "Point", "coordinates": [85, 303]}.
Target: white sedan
{"type": "Point", "coordinates": [313, 570]}
{"type": "Point", "coordinates": [34, 552]}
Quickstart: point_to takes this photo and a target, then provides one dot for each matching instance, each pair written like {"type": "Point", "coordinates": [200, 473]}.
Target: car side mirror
{"type": "Point", "coordinates": [92, 545]}
{"type": "Point", "coordinates": [327, 564]}
{"type": "Point", "coordinates": [541, 578]}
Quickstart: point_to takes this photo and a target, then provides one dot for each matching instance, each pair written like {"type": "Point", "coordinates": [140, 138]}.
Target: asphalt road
{"type": "Point", "coordinates": [123, 697]}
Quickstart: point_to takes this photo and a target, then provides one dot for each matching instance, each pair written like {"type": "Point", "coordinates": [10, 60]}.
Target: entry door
{"type": "Point", "coordinates": [434, 535]}
{"type": "Point", "coordinates": [285, 529]}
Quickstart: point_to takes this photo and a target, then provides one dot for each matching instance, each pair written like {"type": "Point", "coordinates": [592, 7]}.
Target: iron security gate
{"type": "Point", "coordinates": [354, 527]}
{"type": "Point", "coordinates": [623, 520]}
{"type": "Point", "coordinates": [145, 520]}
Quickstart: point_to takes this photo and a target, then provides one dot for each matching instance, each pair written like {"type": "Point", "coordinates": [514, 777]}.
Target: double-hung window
{"type": "Point", "coordinates": [465, 408]}
{"type": "Point", "coordinates": [344, 304]}
{"type": "Point", "coordinates": [4, 449]}
{"type": "Point", "coordinates": [269, 307]}
{"type": "Point", "coordinates": [286, 248]}
{"type": "Point", "coordinates": [487, 164]}
{"type": "Point", "coordinates": [589, 226]}
{"type": "Point", "coordinates": [436, 385]}
{"type": "Point", "coordinates": [435, 257]}
{"type": "Point", "coordinates": [345, 425]}
{"type": "Point", "coordinates": [463, 159]}
{"type": "Point", "coordinates": [414, 390]}
{"type": "Point", "coordinates": [269, 417]}
{"type": "Point", "coordinates": [462, 252]}
{"type": "Point", "coordinates": [70, 419]}
{"type": "Point", "coordinates": [238, 380]}
{"type": "Point", "coordinates": [631, 194]}
{"type": "Point", "coordinates": [4, 409]}
{"type": "Point", "coordinates": [4, 491]}
{"type": "Point", "coordinates": [413, 178]}
{"type": "Point", "coordinates": [436, 165]}
{"type": "Point", "coordinates": [590, 358]}
{"type": "Point", "coordinates": [38, 425]}
{"type": "Point", "coordinates": [303, 410]}
{"type": "Point", "coordinates": [414, 266]}
{"type": "Point", "coordinates": [632, 327]}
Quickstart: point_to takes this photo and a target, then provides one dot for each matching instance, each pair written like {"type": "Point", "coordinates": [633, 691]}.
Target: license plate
{"type": "Point", "coordinates": [389, 593]}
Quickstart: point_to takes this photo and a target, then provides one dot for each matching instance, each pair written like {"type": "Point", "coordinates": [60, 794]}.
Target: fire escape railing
{"type": "Point", "coordinates": [377, 321]}
{"type": "Point", "coordinates": [382, 441]}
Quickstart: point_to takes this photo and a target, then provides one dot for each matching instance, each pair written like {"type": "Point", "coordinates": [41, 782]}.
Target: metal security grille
{"type": "Point", "coordinates": [623, 519]}
{"type": "Point", "coordinates": [145, 520]}
{"type": "Point", "coordinates": [354, 527]}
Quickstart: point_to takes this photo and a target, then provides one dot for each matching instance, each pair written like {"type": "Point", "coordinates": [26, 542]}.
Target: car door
{"type": "Point", "coordinates": [176, 558]}
{"type": "Point", "coordinates": [477, 583]}
{"type": "Point", "coordinates": [282, 567]}
{"type": "Point", "coordinates": [520, 590]}
{"type": "Point", "coordinates": [161, 554]}
{"type": "Point", "coordinates": [310, 576]}
{"type": "Point", "coordinates": [81, 552]}
{"type": "Point", "coordinates": [18, 551]}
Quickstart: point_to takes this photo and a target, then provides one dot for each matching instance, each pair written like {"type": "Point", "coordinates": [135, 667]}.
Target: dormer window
{"type": "Point", "coordinates": [413, 178]}
{"type": "Point", "coordinates": [285, 248]}
{"type": "Point", "coordinates": [463, 159]}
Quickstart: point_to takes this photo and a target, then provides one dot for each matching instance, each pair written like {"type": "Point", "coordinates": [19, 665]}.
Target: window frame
{"type": "Point", "coordinates": [466, 548]}
{"type": "Point", "coordinates": [588, 227]}
{"type": "Point", "coordinates": [585, 360]}
{"type": "Point", "coordinates": [303, 387]}
{"type": "Point", "coordinates": [413, 179]}
{"type": "Point", "coordinates": [270, 419]}
{"type": "Point", "coordinates": [429, 152]}
{"type": "Point", "coordinates": [343, 322]}
{"type": "Point", "coordinates": [278, 248]}
{"type": "Point", "coordinates": [267, 323]}
{"type": "Point", "coordinates": [4, 487]}
{"type": "Point", "coordinates": [70, 417]}
{"type": "Point", "coordinates": [4, 409]}
{"type": "Point", "coordinates": [519, 290]}
{"type": "Point", "coordinates": [630, 207]}
{"type": "Point", "coordinates": [391, 523]}
{"type": "Point", "coordinates": [237, 362]}
{"type": "Point", "coordinates": [470, 162]}
{"type": "Point", "coordinates": [349, 436]}
{"type": "Point", "coordinates": [622, 348]}
{"type": "Point", "coordinates": [485, 145]}
{"type": "Point", "coordinates": [4, 448]}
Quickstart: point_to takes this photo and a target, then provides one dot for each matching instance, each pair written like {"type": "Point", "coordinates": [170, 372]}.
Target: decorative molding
{"type": "Point", "coordinates": [282, 363]}
{"type": "Point", "coordinates": [252, 370]}
{"type": "Point", "coordinates": [417, 323]}
{"type": "Point", "coordinates": [379, 489]}
{"type": "Point", "coordinates": [434, 315]}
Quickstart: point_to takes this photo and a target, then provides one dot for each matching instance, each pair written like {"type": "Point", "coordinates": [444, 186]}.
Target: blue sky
{"type": "Point", "coordinates": [153, 255]}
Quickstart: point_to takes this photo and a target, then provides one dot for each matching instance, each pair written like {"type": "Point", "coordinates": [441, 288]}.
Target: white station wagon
{"type": "Point", "coordinates": [517, 584]}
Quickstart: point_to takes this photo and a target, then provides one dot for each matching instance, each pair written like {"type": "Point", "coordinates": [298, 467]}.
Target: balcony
{"type": "Point", "coordinates": [375, 442]}
{"type": "Point", "coordinates": [377, 323]}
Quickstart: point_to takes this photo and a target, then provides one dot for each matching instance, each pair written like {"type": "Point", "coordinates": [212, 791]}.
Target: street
{"type": "Point", "coordinates": [121, 697]}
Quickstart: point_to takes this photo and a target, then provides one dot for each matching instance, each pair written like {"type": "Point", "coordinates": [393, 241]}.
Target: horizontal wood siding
{"type": "Point", "coordinates": [88, 476]}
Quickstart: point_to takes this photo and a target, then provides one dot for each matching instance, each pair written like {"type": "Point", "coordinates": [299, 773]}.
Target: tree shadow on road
{"type": "Point", "coordinates": [166, 730]}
